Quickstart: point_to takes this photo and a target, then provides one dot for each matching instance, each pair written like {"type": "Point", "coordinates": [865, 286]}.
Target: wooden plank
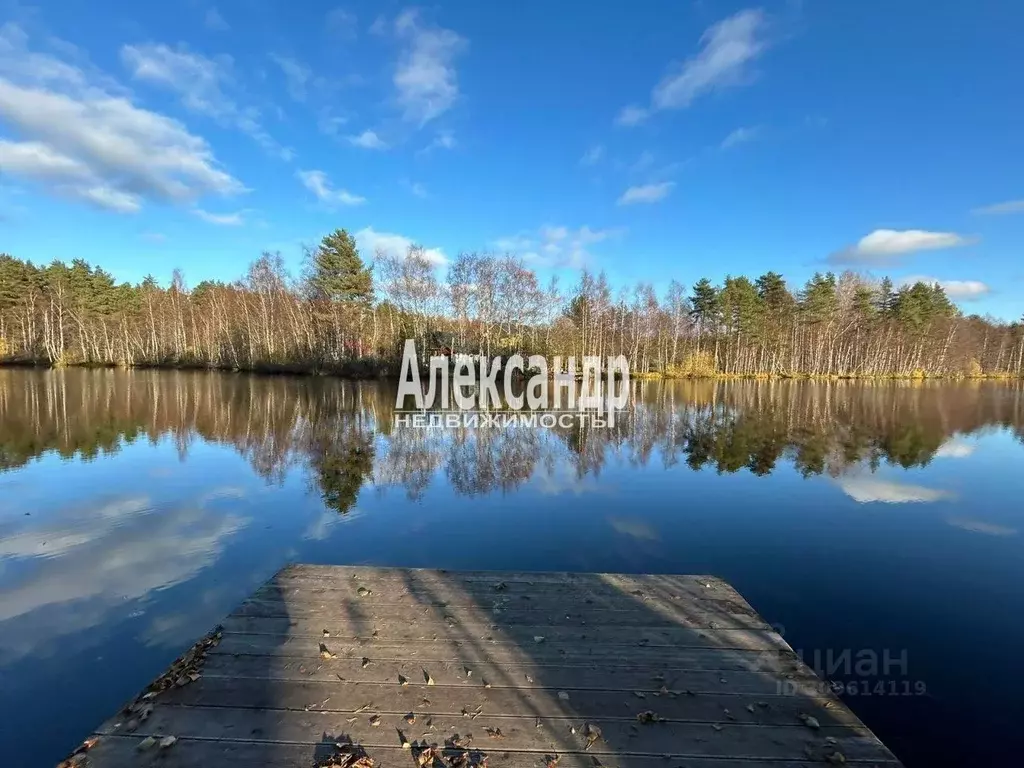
{"type": "Point", "coordinates": [405, 631]}
{"type": "Point", "coordinates": [122, 752]}
{"type": "Point", "coordinates": [523, 733]}
{"type": "Point", "coordinates": [451, 586]}
{"type": "Point", "coordinates": [698, 610]}
{"type": "Point", "coordinates": [498, 676]}
{"type": "Point", "coordinates": [713, 707]}
{"type": "Point", "coordinates": [547, 652]}
{"type": "Point", "coordinates": [513, 615]}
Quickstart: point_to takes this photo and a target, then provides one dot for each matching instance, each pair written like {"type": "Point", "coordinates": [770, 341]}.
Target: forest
{"type": "Point", "coordinates": [349, 316]}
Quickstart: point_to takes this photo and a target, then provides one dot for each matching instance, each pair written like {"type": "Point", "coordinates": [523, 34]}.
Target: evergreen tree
{"type": "Point", "coordinates": [336, 272]}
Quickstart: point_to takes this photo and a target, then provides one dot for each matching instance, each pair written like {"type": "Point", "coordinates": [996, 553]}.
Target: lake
{"type": "Point", "coordinates": [880, 521]}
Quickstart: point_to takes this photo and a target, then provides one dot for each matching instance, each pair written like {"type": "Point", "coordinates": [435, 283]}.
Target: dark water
{"type": "Point", "coordinates": [136, 509]}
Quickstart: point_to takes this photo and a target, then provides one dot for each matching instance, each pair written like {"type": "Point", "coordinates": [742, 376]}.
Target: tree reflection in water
{"type": "Point", "coordinates": [342, 433]}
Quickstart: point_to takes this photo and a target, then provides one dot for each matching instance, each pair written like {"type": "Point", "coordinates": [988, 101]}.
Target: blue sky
{"type": "Point", "coordinates": [651, 140]}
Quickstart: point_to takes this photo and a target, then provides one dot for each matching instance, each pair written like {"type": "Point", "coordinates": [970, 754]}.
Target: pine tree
{"type": "Point", "coordinates": [336, 272]}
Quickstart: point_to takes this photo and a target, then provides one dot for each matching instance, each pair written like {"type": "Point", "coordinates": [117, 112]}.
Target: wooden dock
{"type": "Point", "coordinates": [360, 667]}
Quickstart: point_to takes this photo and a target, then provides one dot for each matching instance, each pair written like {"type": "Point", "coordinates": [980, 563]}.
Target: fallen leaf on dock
{"type": "Point", "coordinates": [649, 717]}
{"type": "Point", "coordinates": [539, 638]}
{"type": "Point", "coordinates": [326, 633]}
{"type": "Point", "coordinates": [325, 653]}
{"type": "Point", "coordinates": [639, 694]}
{"type": "Point", "coordinates": [403, 680]}
{"type": "Point", "coordinates": [426, 676]}
{"type": "Point", "coordinates": [403, 741]}
{"type": "Point", "coordinates": [410, 718]}
{"type": "Point", "coordinates": [593, 734]}
{"type": "Point", "coordinates": [495, 733]}
{"type": "Point", "coordinates": [375, 720]}
{"type": "Point", "coordinates": [836, 758]}
{"type": "Point", "coordinates": [561, 694]}
{"type": "Point", "coordinates": [168, 741]}
{"type": "Point", "coordinates": [366, 662]}
{"type": "Point", "coordinates": [810, 722]}
{"type": "Point", "coordinates": [363, 592]}
{"type": "Point", "coordinates": [147, 743]}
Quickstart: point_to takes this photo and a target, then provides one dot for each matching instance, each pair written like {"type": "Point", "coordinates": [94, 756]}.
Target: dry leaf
{"type": "Point", "coordinates": [810, 722]}
{"type": "Point", "coordinates": [363, 592]}
{"type": "Point", "coordinates": [593, 734]}
{"type": "Point", "coordinates": [403, 741]}
{"type": "Point", "coordinates": [168, 741]}
{"type": "Point", "coordinates": [495, 733]}
{"type": "Point", "coordinates": [147, 743]}
{"type": "Point", "coordinates": [325, 653]}
{"type": "Point", "coordinates": [539, 638]}
{"type": "Point", "coordinates": [552, 760]}
{"type": "Point", "coordinates": [326, 633]}
{"type": "Point", "coordinates": [426, 676]}
{"type": "Point", "coordinates": [403, 680]}
{"type": "Point", "coordinates": [562, 695]}
{"type": "Point", "coordinates": [836, 758]}
{"type": "Point", "coordinates": [375, 721]}
{"type": "Point", "coordinates": [366, 662]}
{"type": "Point", "coordinates": [500, 586]}
{"type": "Point", "coordinates": [649, 717]}
{"type": "Point", "coordinates": [639, 694]}
{"type": "Point", "coordinates": [716, 726]}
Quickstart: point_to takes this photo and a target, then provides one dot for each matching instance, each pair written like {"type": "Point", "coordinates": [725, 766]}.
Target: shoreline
{"type": "Point", "coordinates": [367, 372]}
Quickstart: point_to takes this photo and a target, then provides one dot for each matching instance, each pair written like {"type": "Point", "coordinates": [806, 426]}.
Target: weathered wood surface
{"type": "Point", "coordinates": [669, 671]}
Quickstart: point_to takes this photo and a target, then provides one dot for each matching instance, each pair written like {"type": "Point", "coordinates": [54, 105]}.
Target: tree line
{"type": "Point", "coordinates": [345, 315]}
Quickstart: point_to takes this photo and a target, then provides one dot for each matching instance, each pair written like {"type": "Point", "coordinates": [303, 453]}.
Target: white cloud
{"type": "Point", "coordinates": [955, 289]}
{"type": "Point", "coordinates": [82, 138]}
{"type": "Point", "coordinates": [370, 242]}
{"type": "Point", "coordinates": [727, 50]}
{"type": "Point", "coordinates": [637, 528]}
{"type": "Point", "coordinates": [956, 448]}
{"type": "Point", "coordinates": [631, 115]}
{"type": "Point", "coordinates": [557, 246]}
{"type": "Point", "coordinates": [1010, 206]}
{"type": "Point", "coordinates": [318, 183]}
{"type": "Point", "coordinates": [296, 75]}
{"type": "Point", "coordinates": [221, 219]}
{"type": "Point", "coordinates": [367, 140]}
{"type": "Point", "coordinates": [416, 188]}
{"type": "Point", "coordinates": [379, 27]}
{"type": "Point", "coordinates": [866, 490]}
{"type": "Point", "coordinates": [884, 246]}
{"type": "Point", "coordinates": [425, 76]}
{"type": "Point", "coordinates": [341, 23]}
{"type": "Point", "coordinates": [592, 156]}
{"type": "Point", "coordinates": [443, 140]}
{"type": "Point", "coordinates": [213, 20]}
{"type": "Point", "coordinates": [331, 124]}
{"type": "Point", "coordinates": [103, 562]}
{"type": "Point", "coordinates": [202, 85]}
{"type": "Point", "coordinates": [646, 193]}
{"type": "Point", "coordinates": [980, 526]}
{"type": "Point", "coordinates": [740, 136]}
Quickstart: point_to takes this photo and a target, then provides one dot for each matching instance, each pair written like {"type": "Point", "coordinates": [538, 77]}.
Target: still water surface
{"type": "Point", "coordinates": [137, 508]}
